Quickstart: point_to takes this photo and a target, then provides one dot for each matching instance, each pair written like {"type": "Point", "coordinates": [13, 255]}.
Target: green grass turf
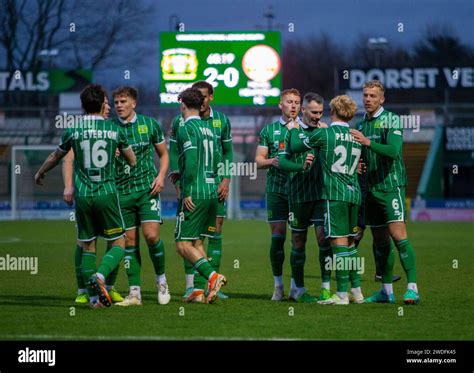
{"type": "Point", "coordinates": [41, 306]}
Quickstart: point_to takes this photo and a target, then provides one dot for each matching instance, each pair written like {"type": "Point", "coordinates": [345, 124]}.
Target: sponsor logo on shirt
{"type": "Point", "coordinates": [142, 129]}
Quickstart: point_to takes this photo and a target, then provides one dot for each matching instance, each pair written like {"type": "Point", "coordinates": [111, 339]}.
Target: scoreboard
{"type": "Point", "coordinates": [243, 67]}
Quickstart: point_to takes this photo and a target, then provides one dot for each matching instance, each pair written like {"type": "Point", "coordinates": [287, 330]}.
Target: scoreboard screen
{"type": "Point", "coordinates": [243, 67]}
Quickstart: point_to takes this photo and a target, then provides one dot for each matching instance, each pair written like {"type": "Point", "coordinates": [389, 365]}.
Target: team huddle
{"type": "Point", "coordinates": [315, 174]}
{"type": "Point", "coordinates": [314, 177]}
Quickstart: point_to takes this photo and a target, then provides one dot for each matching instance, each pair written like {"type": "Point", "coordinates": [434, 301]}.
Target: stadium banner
{"type": "Point", "coordinates": [442, 210]}
{"type": "Point", "coordinates": [459, 138]}
{"type": "Point", "coordinates": [408, 77]}
{"type": "Point", "coordinates": [53, 80]}
{"type": "Point", "coordinates": [244, 66]}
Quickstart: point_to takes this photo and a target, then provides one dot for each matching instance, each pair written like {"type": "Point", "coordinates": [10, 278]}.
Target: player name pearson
{"type": "Point", "coordinates": [23, 263]}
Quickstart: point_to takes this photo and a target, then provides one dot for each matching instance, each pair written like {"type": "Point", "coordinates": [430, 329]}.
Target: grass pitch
{"type": "Point", "coordinates": [42, 306]}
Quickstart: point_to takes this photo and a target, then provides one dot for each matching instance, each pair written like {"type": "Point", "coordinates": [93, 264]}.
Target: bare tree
{"type": "Point", "coordinates": [85, 32]}
{"type": "Point", "coordinates": [440, 46]}
{"type": "Point", "coordinates": [310, 64]}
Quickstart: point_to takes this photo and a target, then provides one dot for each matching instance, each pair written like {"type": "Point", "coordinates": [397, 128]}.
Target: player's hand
{"type": "Point", "coordinates": [68, 195]}
{"type": "Point", "coordinates": [39, 178]}
{"type": "Point", "coordinates": [361, 167]}
{"type": "Point", "coordinates": [117, 152]}
{"type": "Point", "coordinates": [322, 125]}
{"type": "Point", "coordinates": [360, 138]}
{"type": "Point", "coordinates": [309, 160]}
{"type": "Point", "coordinates": [173, 176]}
{"type": "Point", "coordinates": [188, 203]}
{"type": "Point", "coordinates": [157, 185]}
{"type": "Point", "coordinates": [292, 123]}
{"type": "Point", "coordinates": [276, 162]}
{"type": "Point", "coordinates": [223, 190]}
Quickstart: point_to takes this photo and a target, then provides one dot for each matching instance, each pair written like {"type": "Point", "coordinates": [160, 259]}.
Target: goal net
{"type": "Point", "coordinates": [31, 201]}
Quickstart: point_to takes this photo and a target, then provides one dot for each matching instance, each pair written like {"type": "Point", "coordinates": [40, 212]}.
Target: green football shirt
{"type": "Point", "coordinates": [306, 185]}
{"type": "Point", "coordinates": [94, 142]}
{"type": "Point", "coordinates": [219, 123]}
{"type": "Point", "coordinates": [277, 180]}
{"type": "Point", "coordinates": [196, 144]}
{"type": "Point", "coordinates": [339, 154]}
{"type": "Point", "coordinates": [383, 173]}
{"type": "Point", "coordinates": [142, 133]}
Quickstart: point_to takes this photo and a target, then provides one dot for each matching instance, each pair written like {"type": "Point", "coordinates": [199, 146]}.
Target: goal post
{"type": "Point", "coordinates": [28, 200]}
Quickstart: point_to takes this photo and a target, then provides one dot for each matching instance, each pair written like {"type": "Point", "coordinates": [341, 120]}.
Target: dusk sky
{"type": "Point", "coordinates": [343, 20]}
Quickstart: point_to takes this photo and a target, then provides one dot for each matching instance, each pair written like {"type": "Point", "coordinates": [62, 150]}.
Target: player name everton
{"type": "Point", "coordinates": [95, 134]}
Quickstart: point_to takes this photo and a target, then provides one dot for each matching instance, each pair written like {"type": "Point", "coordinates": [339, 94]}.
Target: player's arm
{"type": "Point", "coordinates": [227, 158]}
{"type": "Point", "coordinates": [284, 156]}
{"type": "Point", "coordinates": [189, 140]}
{"type": "Point", "coordinates": [50, 162]}
{"type": "Point", "coordinates": [68, 172]}
{"type": "Point", "coordinates": [54, 158]}
{"type": "Point", "coordinates": [173, 153]}
{"type": "Point", "coordinates": [261, 155]}
{"type": "Point", "coordinates": [391, 150]}
{"type": "Point", "coordinates": [296, 144]}
{"type": "Point", "coordinates": [125, 149]}
{"type": "Point", "coordinates": [159, 144]}
{"type": "Point", "coordinates": [159, 182]}
{"type": "Point", "coordinates": [129, 155]}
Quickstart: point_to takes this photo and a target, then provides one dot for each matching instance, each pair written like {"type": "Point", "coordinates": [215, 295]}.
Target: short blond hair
{"type": "Point", "coordinates": [344, 106]}
{"type": "Point", "coordinates": [375, 84]}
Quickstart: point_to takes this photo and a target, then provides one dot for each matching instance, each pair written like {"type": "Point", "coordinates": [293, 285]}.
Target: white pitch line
{"type": "Point", "coordinates": [131, 337]}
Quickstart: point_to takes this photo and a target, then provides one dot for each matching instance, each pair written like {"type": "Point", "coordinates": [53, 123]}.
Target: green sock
{"type": "Point", "coordinates": [342, 273]}
{"type": "Point", "coordinates": [157, 255]}
{"type": "Point", "coordinates": [203, 267]}
{"type": "Point", "coordinates": [133, 265]}
{"type": "Point", "coordinates": [277, 253]}
{"type": "Point", "coordinates": [88, 268]}
{"type": "Point", "coordinates": [377, 258]}
{"type": "Point", "coordinates": [214, 252]}
{"type": "Point", "coordinates": [354, 276]}
{"type": "Point", "coordinates": [199, 281]}
{"type": "Point", "coordinates": [325, 251]}
{"type": "Point", "coordinates": [110, 260]}
{"type": "Point", "coordinates": [78, 266]}
{"type": "Point", "coordinates": [188, 267]}
{"type": "Point", "coordinates": [386, 257]}
{"type": "Point", "coordinates": [112, 277]}
{"type": "Point", "coordinates": [407, 257]}
{"type": "Point", "coordinates": [297, 260]}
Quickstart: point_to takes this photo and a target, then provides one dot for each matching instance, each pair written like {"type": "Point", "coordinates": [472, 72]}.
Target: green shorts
{"type": "Point", "coordinates": [192, 225]}
{"type": "Point", "coordinates": [305, 214]}
{"type": "Point", "coordinates": [340, 219]}
{"type": "Point", "coordinates": [221, 209]}
{"type": "Point", "coordinates": [140, 207]}
{"type": "Point", "coordinates": [277, 207]}
{"type": "Point", "coordinates": [382, 208]}
{"type": "Point", "coordinates": [99, 216]}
